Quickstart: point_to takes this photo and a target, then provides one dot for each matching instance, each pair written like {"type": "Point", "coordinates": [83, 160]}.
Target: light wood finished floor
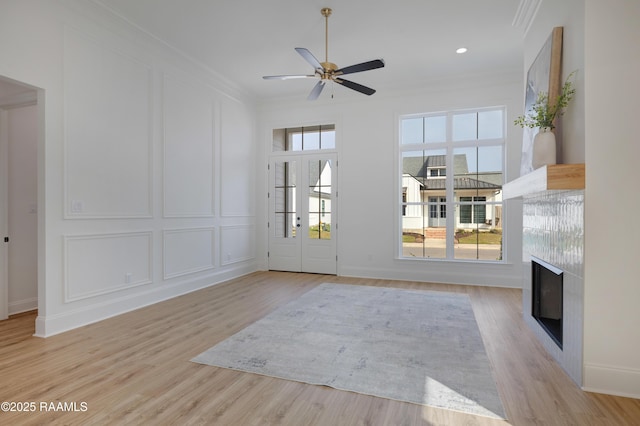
{"type": "Point", "coordinates": [135, 368]}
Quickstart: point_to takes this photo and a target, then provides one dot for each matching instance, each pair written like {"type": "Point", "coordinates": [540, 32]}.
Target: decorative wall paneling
{"type": "Point", "coordinates": [238, 161]}
{"type": "Point", "coordinates": [101, 264]}
{"type": "Point", "coordinates": [188, 158]}
{"type": "Point", "coordinates": [133, 136]}
{"type": "Point", "coordinates": [108, 123]}
{"type": "Point", "coordinates": [237, 244]}
{"type": "Point", "coordinates": [187, 251]}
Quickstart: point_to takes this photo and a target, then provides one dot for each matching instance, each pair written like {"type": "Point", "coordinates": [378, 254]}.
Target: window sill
{"type": "Point", "coordinates": [465, 261]}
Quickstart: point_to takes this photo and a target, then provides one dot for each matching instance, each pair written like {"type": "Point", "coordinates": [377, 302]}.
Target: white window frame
{"type": "Point", "coordinates": [451, 201]}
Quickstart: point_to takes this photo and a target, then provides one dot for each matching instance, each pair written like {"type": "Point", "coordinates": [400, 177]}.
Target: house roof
{"type": "Point", "coordinates": [315, 170]}
{"type": "Point", "coordinates": [418, 168]}
{"type": "Point", "coordinates": [462, 182]}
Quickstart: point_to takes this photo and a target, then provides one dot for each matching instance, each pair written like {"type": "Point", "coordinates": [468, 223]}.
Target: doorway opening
{"type": "Point", "coordinates": [19, 213]}
{"type": "Point", "coordinates": [303, 200]}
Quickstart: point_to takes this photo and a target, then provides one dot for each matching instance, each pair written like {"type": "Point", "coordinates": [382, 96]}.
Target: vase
{"type": "Point", "coordinates": [544, 148]}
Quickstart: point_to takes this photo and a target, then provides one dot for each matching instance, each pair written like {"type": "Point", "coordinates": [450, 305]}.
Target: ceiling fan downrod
{"type": "Point", "coordinates": [329, 67]}
{"type": "Point", "coordinates": [326, 12]}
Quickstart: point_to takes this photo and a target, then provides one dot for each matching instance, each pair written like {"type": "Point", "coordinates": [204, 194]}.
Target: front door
{"type": "Point", "coordinates": [437, 212]}
{"type": "Point", "coordinates": [302, 213]}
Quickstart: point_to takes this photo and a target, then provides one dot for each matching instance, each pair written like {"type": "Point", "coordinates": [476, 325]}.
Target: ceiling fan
{"type": "Point", "coordinates": [328, 71]}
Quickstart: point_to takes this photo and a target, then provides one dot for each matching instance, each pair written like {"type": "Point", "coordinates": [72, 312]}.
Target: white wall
{"type": "Point", "coordinates": [568, 14]}
{"type": "Point", "coordinates": [145, 163]}
{"type": "Point", "coordinates": [22, 209]}
{"type": "Point", "coordinates": [612, 286]}
{"type": "Point", "coordinates": [368, 180]}
{"type": "Point", "coordinates": [600, 130]}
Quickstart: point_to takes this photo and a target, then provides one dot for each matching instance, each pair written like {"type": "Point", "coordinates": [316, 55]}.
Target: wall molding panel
{"type": "Point", "coordinates": [188, 149]}
{"type": "Point", "coordinates": [237, 244]}
{"type": "Point", "coordinates": [108, 130]}
{"type": "Point", "coordinates": [188, 251]}
{"type": "Point", "coordinates": [238, 164]}
{"type": "Point", "coordinates": [99, 264]}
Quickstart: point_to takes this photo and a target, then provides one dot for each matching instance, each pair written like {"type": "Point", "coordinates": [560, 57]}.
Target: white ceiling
{"type": "Point", "coordinates": [242, 40]}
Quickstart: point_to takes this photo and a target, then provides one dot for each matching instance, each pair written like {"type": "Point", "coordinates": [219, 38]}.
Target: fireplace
{"type": "Point", "coordinates": [546, 300]}
{"type": "Point", "coordinates": [553, 230]}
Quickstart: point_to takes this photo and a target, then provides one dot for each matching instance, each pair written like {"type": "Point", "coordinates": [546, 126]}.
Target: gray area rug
{"type": "Point", "coordinates": [422, 347]}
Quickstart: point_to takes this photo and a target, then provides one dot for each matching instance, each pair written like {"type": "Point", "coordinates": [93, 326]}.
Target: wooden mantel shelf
{"type": "Point", "coordinates": [546, 178]}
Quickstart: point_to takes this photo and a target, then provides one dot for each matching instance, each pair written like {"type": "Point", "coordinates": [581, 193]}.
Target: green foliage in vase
{"type": "Point", "coordinates": [542, 114]}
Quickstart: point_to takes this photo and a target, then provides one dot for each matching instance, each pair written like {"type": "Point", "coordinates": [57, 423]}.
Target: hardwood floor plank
{"type": "Point", "coordinates": [136, 369]}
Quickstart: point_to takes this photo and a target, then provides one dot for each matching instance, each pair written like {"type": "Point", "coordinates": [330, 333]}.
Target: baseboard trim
{"type": "Point", "coordinates": [484, 279]}
{"type": "Point", "coordinates": [20, 306]}
{"type": "Point", "coordinates": [612, 380]}
{"type": "Point", "coordinates": [50, 325]}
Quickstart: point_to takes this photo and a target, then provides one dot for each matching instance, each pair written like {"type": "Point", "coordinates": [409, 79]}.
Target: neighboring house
{"type": "Point", "coordinates": [425, 200]}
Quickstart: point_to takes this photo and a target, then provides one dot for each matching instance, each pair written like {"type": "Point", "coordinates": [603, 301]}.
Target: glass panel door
{"type": "Point", "coordinates": [302, 205]}
{"type": "Point", "coordinates": [318, 242]}
{"type": "Point", "coordinates": [285, 199]}
{"type": "Point", "coordinates": [320, 199]}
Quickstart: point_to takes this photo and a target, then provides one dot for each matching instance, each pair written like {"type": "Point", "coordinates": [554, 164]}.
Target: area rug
{"type": "Point", "coordinates": [416, 346]}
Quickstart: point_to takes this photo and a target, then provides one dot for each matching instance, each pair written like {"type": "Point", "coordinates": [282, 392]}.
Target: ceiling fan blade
{"type": "Point", "coordinates": [308, 56]}
{"type": "Point", "coordinates": [355, 86]}
{"type": "Point", "coordinates": [317, 89]}
{"type": "Point", "coordinates": [286, 77]}
{"type": "Point", "coordinates": [365, 66]}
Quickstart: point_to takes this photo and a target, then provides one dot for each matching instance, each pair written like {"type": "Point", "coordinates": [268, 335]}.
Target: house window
{"type": "Point", "coordinates": [311, 138]}
{"type": "Point", "coordinates": [439, 172]}
{"type": "Point", "coordinates": [404, 201]}
{"type": "Point", "coordinates": [452, 162]}
{"type": "Point", "coordinates": [474, 211]}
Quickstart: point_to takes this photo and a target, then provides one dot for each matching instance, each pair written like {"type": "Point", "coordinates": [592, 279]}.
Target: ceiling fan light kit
{"type": "Point", "coordinates": [328, 71]}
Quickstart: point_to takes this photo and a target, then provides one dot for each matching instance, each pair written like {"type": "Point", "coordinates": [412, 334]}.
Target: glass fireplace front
{"type": "Point", "coordinates": [546, 286]}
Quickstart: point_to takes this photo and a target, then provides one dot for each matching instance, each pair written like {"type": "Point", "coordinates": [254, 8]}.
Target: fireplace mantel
{"type": "Point", "coordinates": [546, 178]}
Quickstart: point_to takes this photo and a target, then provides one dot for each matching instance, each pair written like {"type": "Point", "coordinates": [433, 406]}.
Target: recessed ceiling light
{"type": "Point", "coordinates": [461, 50]}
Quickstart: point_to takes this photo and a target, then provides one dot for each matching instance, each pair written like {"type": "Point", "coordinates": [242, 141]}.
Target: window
{"type": "Point", "coordinates": [437, 172]}
{"type": "Point", "coordinates": [472, 213]}
{"type": "Point", "coordinates": [320, 199]}
{"type": "Point", "coordinates": [309, 138]}
{"type": "Point", "coordinates": [404, 201]}
{"type": "Point", "coordinates": [452, 162]}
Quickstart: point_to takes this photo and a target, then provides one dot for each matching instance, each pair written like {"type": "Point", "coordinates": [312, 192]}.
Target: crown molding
{"type": "Point", "coordinates": [526, 13]}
